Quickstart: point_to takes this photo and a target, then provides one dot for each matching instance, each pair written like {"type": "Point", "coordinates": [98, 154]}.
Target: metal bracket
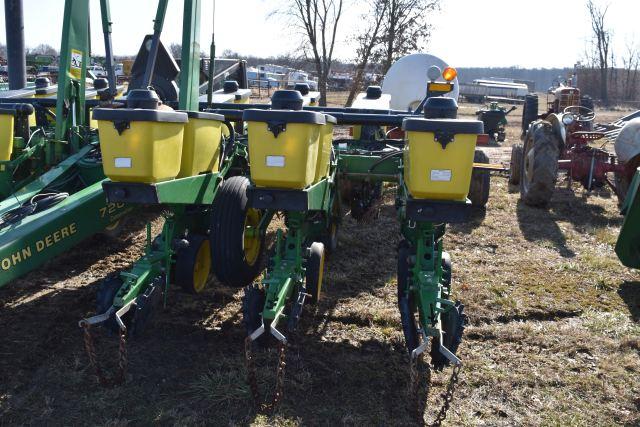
{"type": "Point", "coordinates": [272, 329]}
{"type": "Point", "coordinates": [443, 350]}
{"type": "Point", "coordinates": [276, 128]}
{"type": "Point", "coordinates": [95, 320]}
{"type": "Point", "coordinates": [121, 126]}
{"type": "Point", "coordinates": [101, 318]}
{"type": "Point", "coordinates": [443, 137]}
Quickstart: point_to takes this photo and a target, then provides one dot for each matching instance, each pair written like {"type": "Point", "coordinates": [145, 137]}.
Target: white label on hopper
{"type": "Point", "coordinates": [123, 162]}
{"type": "Point", "coordinates": [442, 175]}
{"type": "Point", "coordinates": [342, 145]}
{"type": "Point", "coordinates": [275, 161]}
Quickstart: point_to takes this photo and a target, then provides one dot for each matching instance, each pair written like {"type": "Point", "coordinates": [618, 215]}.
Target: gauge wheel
{"type": "Point", "coordinates": [237, 242]}
{"type": "Point", "coordinates": [480, 182]}
{"type": "Point", "coordinates": [314, 272]}
{"type": "Point", "coordinates": [193, 264]}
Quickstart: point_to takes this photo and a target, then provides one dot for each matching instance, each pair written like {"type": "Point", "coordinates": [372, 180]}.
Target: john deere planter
{"type": "Point", "coordinates": [50, 167]}
{"type": "Point", "coordinates": [221, 186]}
{"type": "Point", "coordinates": [292, 173]}
{"type": "Point", "coordinates": [432, 167]}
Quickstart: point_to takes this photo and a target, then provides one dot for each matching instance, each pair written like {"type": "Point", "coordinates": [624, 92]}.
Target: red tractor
{"type": "Point", "coordinates": [564, 139]}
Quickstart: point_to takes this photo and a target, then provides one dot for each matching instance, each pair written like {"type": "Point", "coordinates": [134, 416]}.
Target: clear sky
{"type": "Point", "coordinates": [525, 33]}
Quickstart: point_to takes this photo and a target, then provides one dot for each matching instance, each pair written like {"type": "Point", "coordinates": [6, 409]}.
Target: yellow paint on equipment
{"type": "Point", "coordinates": [324, 150]}
{"type": "Point", "coordinates": [7, 121]}
{"type": "Point", "coordinates": [283, 147]}
{"type": "Point", "coordinates": [440, 87]}
{"type": "Point", "coordinates": [201, 146]}
{"type": "Point", "coordinates": [439, 169]}
{"type": "Point", "coordinates": [242, 96]}
{"type": "Point", "coordinates": [140, 145]}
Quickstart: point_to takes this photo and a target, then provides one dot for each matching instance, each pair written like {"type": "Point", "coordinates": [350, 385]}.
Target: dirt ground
{"type": "Point", "coordinates": [554, 334]}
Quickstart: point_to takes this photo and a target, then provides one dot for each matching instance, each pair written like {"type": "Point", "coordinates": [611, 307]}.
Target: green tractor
{"type": "Point", "coordinates": [494, 118]}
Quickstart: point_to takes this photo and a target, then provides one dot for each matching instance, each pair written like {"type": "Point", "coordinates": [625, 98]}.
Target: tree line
{"type": "Point", "coordinates": [609, 76]}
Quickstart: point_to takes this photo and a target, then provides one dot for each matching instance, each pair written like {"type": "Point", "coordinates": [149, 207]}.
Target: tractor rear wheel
{"type": "Point", "coordinates": [539, 165]}
{"type": "Point", "coordinates": [406, 302]}
{"type": "Point", "coordinates": [193, 264]}
{"type": "Point", "coordinates": [515, 169]}
{"type": "Point", "coordinates": [480, 182]}
{"type": "Point", "coordinates": [529, 112]}
{"type": "Point", "coordinates": [237, 244]}
{"type": "Point", "coordinates": [314, 272]}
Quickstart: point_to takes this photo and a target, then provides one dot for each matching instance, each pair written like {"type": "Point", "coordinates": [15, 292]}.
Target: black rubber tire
{"type": "Point", "coordinates": [537, 189]}
{"type": "Point", "coordinates": [480, 182]}
{"type": "Point", "coordinates": [515, 167]}
{"type": "Point", "coordinates": [146, 306]}
{"type": "Point", "coordinates": [252, 306]}
{"type": "Point", "coordinates": [227, 235]}
{"type": "Point", "coordinates": [114, 230]}
{"type": "Point", "coordinates": [314, 272]}
{"type": "Point", "coordinates": [107, 291]}
{"type": "Point", "coordinates": [406, 304]}
{"type": "Point", "coordinates": [185, 260]}
{"type": "Point", "coordinates": [453, 324]}
{"type": "Point", "coordinates": [529, 111]}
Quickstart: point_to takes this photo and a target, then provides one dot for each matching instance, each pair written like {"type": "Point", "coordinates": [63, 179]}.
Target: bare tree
{"type": "Point", "coordinates": [630, 62]}
{"type": "Point", "coordinates": [43, 49]}
{"type": "Point", "coordinates": [176, 50]}
{"type": "Point", "coordinates": [405, 29]}
{"type": "Point", "coordinates": [318, 20]}
{"type": "Point", "coordinates": [367, 40]}
{"type": "Point", "coordinates": [601, 41]}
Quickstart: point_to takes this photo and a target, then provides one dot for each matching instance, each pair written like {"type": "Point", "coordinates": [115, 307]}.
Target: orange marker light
{"type": "Point", "coordinates": [449, 74]}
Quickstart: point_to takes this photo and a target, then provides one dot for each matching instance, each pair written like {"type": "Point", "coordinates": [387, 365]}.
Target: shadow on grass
{"type": "Point", "coordinates": [189, 367]}
{"type": "Point", "coordinates": [476, 219]}
{"type": "Point", "coordinates": [630, 294]}
{"type": "Point", "coordinates": [539, 224]}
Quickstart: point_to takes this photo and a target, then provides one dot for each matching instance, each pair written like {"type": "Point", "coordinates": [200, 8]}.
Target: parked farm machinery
{"type": "Point", "coordinates": [494, 118]}
{"type": "Point", "coordinates": [50, 173]}
{"type": "Point", "coordinates": [628, 244]}
{"type": "Point", "coordinates": [563, 138]}
{"type": "Point", "coordinates": [286, 163]}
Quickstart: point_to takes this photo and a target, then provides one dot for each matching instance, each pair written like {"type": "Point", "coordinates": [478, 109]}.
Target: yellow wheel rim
{"type": "Point", "coordinates": [112, 226]}
{"type": "Point", "coordinates": [252, 243]}
{"type": "Point", "coordinates": [320, 275]}
{"type": "Point", "coordinates": [202, 266]}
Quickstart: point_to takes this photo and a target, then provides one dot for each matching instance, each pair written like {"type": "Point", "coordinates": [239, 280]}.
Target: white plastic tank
{"type": "Point", "coordinates": [628, 141]}
{"type": "Point", "coordinates": [406, 81]}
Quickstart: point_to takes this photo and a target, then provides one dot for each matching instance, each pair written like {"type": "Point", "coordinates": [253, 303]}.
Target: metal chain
{"type": "Point", "coordinates": [414, 386]}
{"type": "Point", "coordinates": [89, 346]}
{"type": "Point", "coordinates": [251, 370]}
{"type": "Point", "coordinates": [448, 396]}
{"type": "Point", "coordinates": [253, 381]}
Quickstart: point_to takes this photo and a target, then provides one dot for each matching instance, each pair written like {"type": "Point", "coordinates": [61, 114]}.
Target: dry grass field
{"type": "Point", "coordinates": [554, 334]}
